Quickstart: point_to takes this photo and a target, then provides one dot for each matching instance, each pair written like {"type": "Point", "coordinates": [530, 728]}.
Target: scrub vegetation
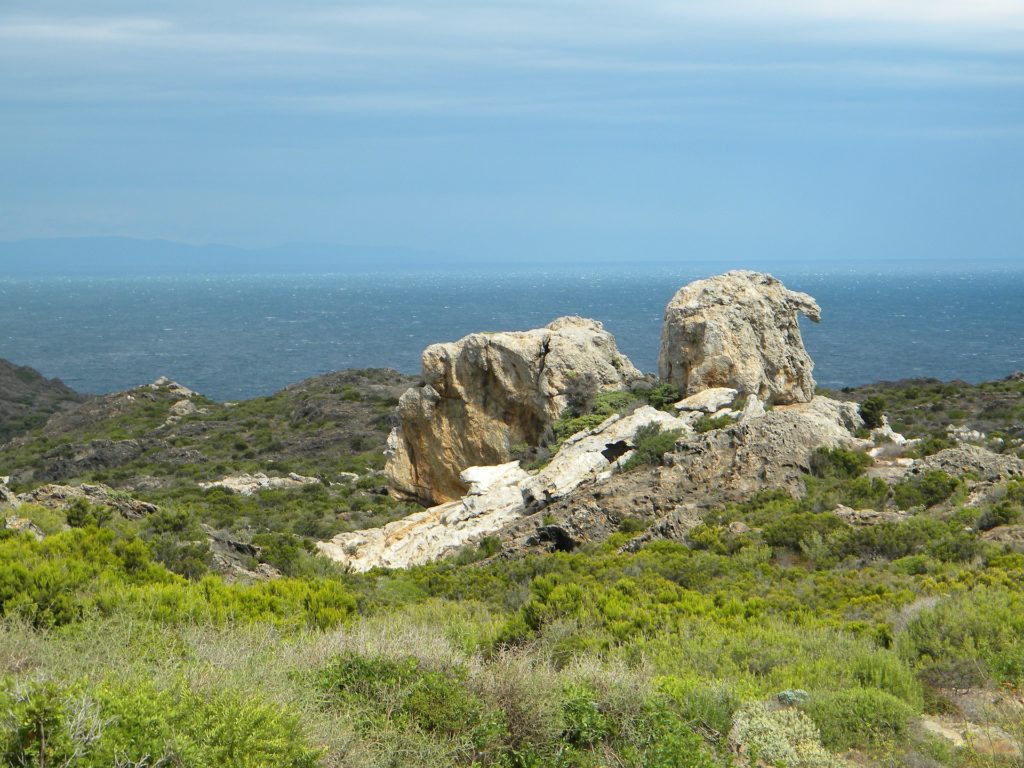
{"type": "Point", "coordinates": [776, 633]}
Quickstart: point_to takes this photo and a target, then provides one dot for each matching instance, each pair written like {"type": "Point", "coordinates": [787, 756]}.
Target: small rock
{"type": "Point", "coordinates": [172, 386]}
{"type": "Point", "coordinates": [183, 408]}
{"type": "Point", "coordinates": [60, 497]}
{"type": "Point", "coordinates": [754, 409]}
{"type": "Point", "coordinates": [862, 517]}
{"type": "Point", "coordinates": [247, 484]}
{"type": "Point", "coordinates": [709, 400]}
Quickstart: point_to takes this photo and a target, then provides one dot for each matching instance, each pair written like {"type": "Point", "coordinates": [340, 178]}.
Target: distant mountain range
{"type": "Point", "coordinates": [136, 257]}
{"type": "Point", "coordinates": [125, 256]}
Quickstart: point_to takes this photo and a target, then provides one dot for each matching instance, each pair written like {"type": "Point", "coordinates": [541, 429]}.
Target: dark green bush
{"type": "Point", "coordinates": [650, 445]}
{"type": "Point", "coordinates": [708, 423]}
{"type": "Point", "coordinates": [859, 717]}
{"type": "Point", "coordinates": [790, 530]}
{"type": "Point", "coordinates": [1003, 513]}
{"type": "Point", "coordinates": [872, 411]}
{"type": "Point", "coordinates": [662, 396]}
{"type": "Point", "coordinates": [838, 463]}
{"type": "Point", "coordinates": [402, 691]}
{"type": "Point", "coordinates": [585, 724]}
{"type": "Point", "coordinates": [926, 490]}
{"type": "Point", "coordinates": [80, 513]}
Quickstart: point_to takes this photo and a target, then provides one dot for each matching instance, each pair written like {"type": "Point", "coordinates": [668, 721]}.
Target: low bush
{"type": "Point", "coordinates": [925, 490]}
{"type": "Point", "coordinates": [135, 724]}
{"type": "Point", "coordinates": [838, 462]}
{"type": "Point", "coordinates": [790, 530]}
{"type": "Point", "coordinates": [859, 717]}
{"type": "Point", "coordinates": [650, 445]}
{"type": "Point", "coordinates": [1003, 513]}
{"type": "Point", "coordinates": [708, 423]}
{"type": "Point", "coordinates": [872, 410]}
{"type": "Point", "coordinates": [783, 736]}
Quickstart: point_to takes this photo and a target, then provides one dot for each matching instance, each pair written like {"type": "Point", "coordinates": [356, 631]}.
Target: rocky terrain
{"type": "Point", "coordinates": [530, 555]}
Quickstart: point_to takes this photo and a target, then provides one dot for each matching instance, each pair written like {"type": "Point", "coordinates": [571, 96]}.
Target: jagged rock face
{"type": "Point", "coordinates": [738, 330]}
{"type": "Point", "coordinates": [488, 392]}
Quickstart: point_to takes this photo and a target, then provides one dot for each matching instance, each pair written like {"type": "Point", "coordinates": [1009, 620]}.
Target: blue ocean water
{"type": "Point", "coordinates": [236, 337]}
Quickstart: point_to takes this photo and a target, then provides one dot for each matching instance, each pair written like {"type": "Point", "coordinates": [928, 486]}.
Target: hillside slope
{"type": "Point", "coordinates": [28, 399]}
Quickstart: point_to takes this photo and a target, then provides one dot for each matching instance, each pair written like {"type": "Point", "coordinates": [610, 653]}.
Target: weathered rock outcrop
{"type": "Point", "coordinates": [770, 450]}
{"type": "Point", "coordinates": [983, 465]}
{"type": "Point", "coordinates": [489, 392]}
{"type": "Point", "coordinates": [579, 498]}
{"type": "Point", "coordinates": [498, 495]}
{"type": "Point", "coordinates": [247, 484]}
{"type": "Point", "coordinates": [62, 496]}
{"type": "Point", "coordinates": [738, 330]}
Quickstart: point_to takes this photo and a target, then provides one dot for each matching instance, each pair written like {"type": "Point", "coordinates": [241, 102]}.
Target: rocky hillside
{"type": "Point", "coordinates": [158, 434]}
{"type": "Point", "coordinates": [728, 569]}
{"type": "Point", "coordinates": [28, 399]}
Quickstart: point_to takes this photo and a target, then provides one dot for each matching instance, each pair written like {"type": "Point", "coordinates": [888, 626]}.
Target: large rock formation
{"type": "Point", "coordinates": [579, 497]}
{"type": "Point", "coordinates": [489, 393]}
{"type": "Point", "coordinates": [497, 497]}
{"type": "Point", "coordinates": [738, 330]}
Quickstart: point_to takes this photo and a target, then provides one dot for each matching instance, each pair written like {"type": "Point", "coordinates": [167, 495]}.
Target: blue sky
{"type": "Point", "coordinates": [643, 129]}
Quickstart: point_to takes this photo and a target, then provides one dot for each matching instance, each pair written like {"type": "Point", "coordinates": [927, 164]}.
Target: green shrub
{"type": "Point", "coordinates": [925, 490]}
{"type": "Point", "coordinates": [708, 423]}
{"type": "Point", "coordinates": [667, 741]}
{"type": "Point", "coordinates": [650, 445]}
{"type": "Point", "coordinates": [887, 672]}
{"type": "Point", "coordinates": [790, 530]}
{"type": "Point", "coordinates": [286, 552]}
{"type": "Point", "coordinates": [708, 703]}
{"type": "Point", "coordinates": [890, 540]}
{"type": "Point", "coordinates": [585, 724]}
{"type": "Point", "coordinates": [872, 410]}
{"type": "Point", "coordinates": [1003, 513]}
{"type": "Point", "coordinates": [134, 723]}
{"type": "Point", "coordinates": [633, 525]}
{"type": "Point", "coordinates": [859, 717]}
{"type": "Point", "coordinates": [838, 462]}
{"type": "Point", "coordinates": [968, 640]}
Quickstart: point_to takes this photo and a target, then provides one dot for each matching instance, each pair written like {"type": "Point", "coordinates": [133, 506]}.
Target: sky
{"type": "Point", "coordinates": [830, 130]}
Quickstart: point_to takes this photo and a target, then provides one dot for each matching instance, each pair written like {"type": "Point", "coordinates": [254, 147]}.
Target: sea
{"type": "Point", "coordinates": [234, 337]}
